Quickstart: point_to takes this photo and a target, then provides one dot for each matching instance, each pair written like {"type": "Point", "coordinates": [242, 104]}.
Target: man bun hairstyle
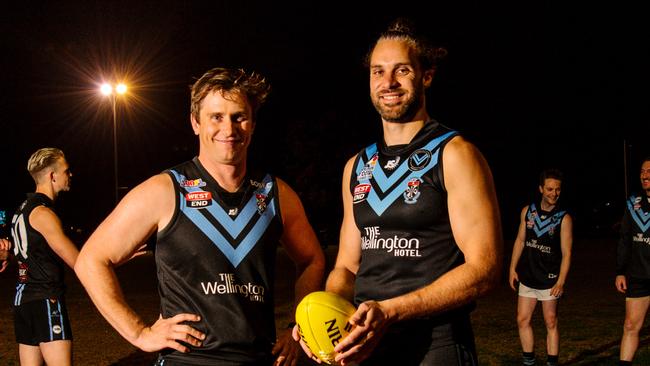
{"type": "Point", "coordinates": [404, 29]}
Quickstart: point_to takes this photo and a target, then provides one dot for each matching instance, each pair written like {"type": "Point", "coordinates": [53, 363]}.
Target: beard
{"type": "Point", "coordinates": [404, 112]}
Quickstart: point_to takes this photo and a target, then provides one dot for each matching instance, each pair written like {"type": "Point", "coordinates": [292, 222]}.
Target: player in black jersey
{"type": "Point", "coordinates": [218, 221]}
{"type": "Point", "coordinates": [41, 248]}
{"type": "Point", "coordinates": [633, 264]}
{"type": "Point", "coordinates": [541, 257]}
{"type": "Point", "coordinates": [421, 238]}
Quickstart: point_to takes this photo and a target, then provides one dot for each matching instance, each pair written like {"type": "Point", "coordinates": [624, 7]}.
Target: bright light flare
{"type": "Point", "coordinates": [106, 89]}
{"type": "Point", "coordinates": [120, 88]}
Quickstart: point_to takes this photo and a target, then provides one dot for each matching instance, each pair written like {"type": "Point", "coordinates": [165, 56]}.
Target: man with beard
{"type": "Point", "coordinates": [541, 256]}
{"type": "Point", "coordinates": [633, 264]}
{"type": "Point", "coordinates": [421, 237]}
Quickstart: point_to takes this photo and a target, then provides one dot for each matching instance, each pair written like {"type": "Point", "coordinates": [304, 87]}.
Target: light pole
{"type": "Point", "coordinates": [110, 91]}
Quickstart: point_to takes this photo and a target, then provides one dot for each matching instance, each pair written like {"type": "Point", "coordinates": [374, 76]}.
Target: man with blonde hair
{"type": "Point", "coordinates": [42, 248]}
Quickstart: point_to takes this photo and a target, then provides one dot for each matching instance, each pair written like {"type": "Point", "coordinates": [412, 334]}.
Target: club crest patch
{"type": "Point", "coordinates": [261, 202]}
{"type": "Point", "coordinates": [419, 159]}
{"type": "Point", "coordinates": [412, 192]}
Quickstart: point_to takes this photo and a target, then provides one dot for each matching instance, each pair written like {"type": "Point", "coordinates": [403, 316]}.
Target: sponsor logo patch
{"type": "Point", "coordinates": [366, 172]}
{"type": "Point", "coordinates": [193, 183]}
{"type": "Point", "coordinates": [361, 192]}
{"type": "Point", "coordinates": [198, 199]}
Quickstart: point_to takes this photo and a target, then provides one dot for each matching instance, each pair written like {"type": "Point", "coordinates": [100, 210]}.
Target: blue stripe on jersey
{"type": "Point", "coordinates": [233, 227]}
{"type": "Point", "coordinates": [19, 294]}
{"type": "Point", "coordinates": [540, 226]}
{"type": "Point", "coordinates": [235, 256]}
{"type": "Point", "coordinates": [641, 218]}
{"type": "Point", "coordinates": [384, 182]}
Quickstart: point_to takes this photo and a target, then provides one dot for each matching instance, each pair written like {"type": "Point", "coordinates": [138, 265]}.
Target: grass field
{"type": "Point", "coordinates": [590, 315]}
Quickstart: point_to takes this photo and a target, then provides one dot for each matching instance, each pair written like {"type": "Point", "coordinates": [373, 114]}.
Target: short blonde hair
{"type": "Point", "coordinates": [41, 159]}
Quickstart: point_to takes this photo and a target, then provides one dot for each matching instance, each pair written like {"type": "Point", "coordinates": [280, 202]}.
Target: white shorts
{"type": "Point", "coordinates": [541, 295]}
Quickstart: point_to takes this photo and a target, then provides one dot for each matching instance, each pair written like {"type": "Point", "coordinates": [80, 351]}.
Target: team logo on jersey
{"type": "Point", "coordinates": [261, 202]}
{"type": "Point", "coordinates": [419, 159]}
{"type": "Point", "coordinates": [193, 183]}
{"type": "Point", "coordinates": [198, 199]}
{"type": "Point", "coordinates": [392, 164]}
{"type": "Point", "coordinates": [361, 192]}
{"type": "Point", "coordinates": [412, 192]}
{"type": "Point", "coordinates": [233, 211]}
{"type": "Point", "coordinates": [366, 172]}
{"type": "Point", "coordinates": [637, 203]}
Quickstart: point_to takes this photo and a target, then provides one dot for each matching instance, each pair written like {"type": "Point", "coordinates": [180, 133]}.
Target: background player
{"type": "Point", "coordinates": [42, 248]}
{"type": "Point", "coordinates": [633, 264]}
{"type": "Point", "coordinates": [541, 256]}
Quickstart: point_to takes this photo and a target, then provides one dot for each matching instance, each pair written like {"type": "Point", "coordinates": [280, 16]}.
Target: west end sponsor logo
{"type": "Point", "coordinates": [198, 199]}
{"type": "Point", "coordinates": [227, 284]}
{"type": "Point", "coordinates": [399, 247]}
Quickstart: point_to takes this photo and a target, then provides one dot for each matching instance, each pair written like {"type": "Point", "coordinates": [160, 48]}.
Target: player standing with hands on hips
{"type": "Point", "coordinates": [633, 264]}
{"type": "Point", "coordinates": [218, 219]}
{"type": "Point", "coordinates": [421, 237]}
{"type": "Point", "coordinates": [541, 256]}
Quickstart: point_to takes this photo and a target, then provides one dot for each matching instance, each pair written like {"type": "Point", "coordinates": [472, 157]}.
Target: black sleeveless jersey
{"type": "Point", "coordinates": [40, 269]}
{"type": "Point", "coordinates": [400, 208]}
{"type": "Point", "coordinates": [539, 264]}
{"type": "Point", "coordinates": [216, 258]}
{"type": "Point", "coordinates": [633, 257]}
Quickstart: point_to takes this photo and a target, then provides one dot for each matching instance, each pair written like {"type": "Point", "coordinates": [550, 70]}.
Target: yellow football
{"type": "Point", "coordinates": [322, 319]}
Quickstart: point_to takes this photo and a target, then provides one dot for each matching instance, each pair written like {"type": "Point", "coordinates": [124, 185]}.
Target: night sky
{"type": "Point", "coordinates": [533, 86]}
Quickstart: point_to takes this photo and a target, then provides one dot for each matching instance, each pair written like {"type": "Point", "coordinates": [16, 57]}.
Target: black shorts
{"type": "Point", "coordinates": [425, 342]}
{"type": "Point", "coordinates": [42, 321]}
{"type": "Point", "coordinates": [637, 287]}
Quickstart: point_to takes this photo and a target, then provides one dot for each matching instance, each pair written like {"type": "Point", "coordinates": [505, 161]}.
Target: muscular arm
{"type": "Point", "coordinates": [47, 223]}
{"type": "Point", "coordinates": [302, 246]}
{"type": "Point", "coordinates": [566, 243]}
{"type": "Point", "coordinates": [517, 248]}
{"type": "Point", "coordinates": [341, 278]}
{"type": "Point", "coordinates": [476, 227]}
{"type": "Point", "coordinates": [475, 223]}
{"type": "Point", "coordinates": [146, 208]}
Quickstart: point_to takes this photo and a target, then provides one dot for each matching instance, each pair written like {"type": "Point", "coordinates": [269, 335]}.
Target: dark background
{"type": "Point", "coordinates": [532, 85]}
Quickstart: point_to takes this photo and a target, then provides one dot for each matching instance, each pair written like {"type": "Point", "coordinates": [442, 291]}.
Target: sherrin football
{"type": "Point", "coordinates": [322, 319]}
